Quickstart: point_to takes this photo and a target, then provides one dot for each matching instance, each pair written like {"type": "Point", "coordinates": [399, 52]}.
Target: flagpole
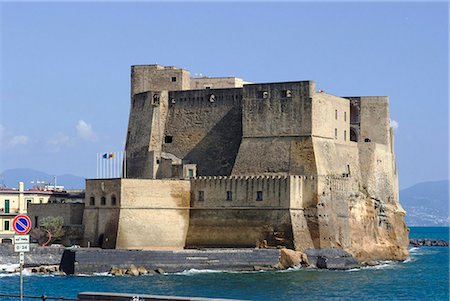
{"type": "Point", "coordinates": [96, 165]}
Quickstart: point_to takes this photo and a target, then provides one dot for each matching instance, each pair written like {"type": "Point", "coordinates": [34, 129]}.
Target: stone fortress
{"type": "Point", "coordinates": [220, 162]}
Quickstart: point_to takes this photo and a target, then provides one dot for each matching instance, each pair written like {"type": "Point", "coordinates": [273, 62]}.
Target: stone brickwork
{"type": "Point", "coordinates": [219, 162]}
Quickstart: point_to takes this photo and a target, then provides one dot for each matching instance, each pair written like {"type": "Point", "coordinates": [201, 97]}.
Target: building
{"type": "Point", "coordinates": [15, 201]}
{"type": "Point", "coordinates": [220, 162]}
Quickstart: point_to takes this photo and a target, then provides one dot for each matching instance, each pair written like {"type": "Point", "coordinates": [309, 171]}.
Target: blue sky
{"type": "Point", "coordinates": [65, 72]}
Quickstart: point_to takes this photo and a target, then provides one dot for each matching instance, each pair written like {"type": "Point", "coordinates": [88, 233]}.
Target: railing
{"type": "Point", "coordinates": [43, 297]}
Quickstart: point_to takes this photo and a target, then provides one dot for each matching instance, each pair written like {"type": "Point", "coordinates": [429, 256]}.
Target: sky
{"type": "Point", "coordinates": [65, 68]}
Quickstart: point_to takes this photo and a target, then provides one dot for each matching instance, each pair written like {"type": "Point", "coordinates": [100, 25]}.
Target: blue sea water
{"type": "Point", "coordinates": [424, 276]}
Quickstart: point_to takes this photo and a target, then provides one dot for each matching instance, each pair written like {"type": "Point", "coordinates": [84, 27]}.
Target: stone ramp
{"type": "Point", "coordinates": [89, 261]}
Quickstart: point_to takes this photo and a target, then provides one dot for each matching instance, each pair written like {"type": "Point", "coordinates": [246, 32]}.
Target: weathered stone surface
{"type": "Point", "coordinates": [290, 258]}
{"type": "Point", "coordinates": [334, 259]}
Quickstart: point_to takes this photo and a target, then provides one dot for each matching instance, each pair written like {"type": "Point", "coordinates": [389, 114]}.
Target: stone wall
{"type": "Point", "coordinates": [216, 83]}
{"type": "Point", "coordinates": [145, 134]}
{"type": "Point", "coordinates": [153, 214]}
{"type": "Point", "coordinates": [71, 213]}
{"type": "Point", "coordinates": [146, 78]}
{"type": "Point", "coordinates": [101, 213]}
{"type": "Point", "coordinates": [247, 210]}
{"type": "Point", "coordinates": [205, 128]}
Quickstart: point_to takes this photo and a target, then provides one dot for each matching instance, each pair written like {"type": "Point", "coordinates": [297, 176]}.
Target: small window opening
{"type": "Point", "coordinates": [174, 79]}
{"type": "Point", "coordinates": [201, 196]}
{"type": "Point", "coordinates": [345, 116]}
{"type": "Point", "coordinates": [155, 99]}
{"type": "Point", "coordinates": [335, 134]}
{"type": "Point", "coordinates": [229, 195]}
{"type": "Point", "coordinates": [36, 220]}
{"type": "Point", "coordinates": [113, 200]}
{"type": "Point", "coordinates": [168, 139]}
{"type": "Point", "coordinates": [190, 173]}
{"type": "Point", "coordinates": [103, 201]}
{"type": "Point", "coordinates": [345, 135]}
{"type": "Point", "coordinates": [259, 196]}
{"type": "Point", "coordinates": [6, 225]}
{"type": "Point", "coordinates": [207, 87]}
{"type": "Point", "coordinates": [335, 114]}
{"type": "Point", "coordinates": [92, 201]}
{"type": "Point", "coordinates": [263, 94]}
{"type": "Point", "coordinates": [367, 140]}
{"type": "Point", "coordinates": [286, 93]}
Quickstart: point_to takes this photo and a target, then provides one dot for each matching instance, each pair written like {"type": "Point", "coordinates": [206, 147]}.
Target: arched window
{"type": "Point", "coordinates": [353, 135]}
{"type": "Point", "coordinates": [113, 200]}
{"type": "Point", "coordinates": [92, 201]}
{"type": "Point", "coordinates": [103, 201]}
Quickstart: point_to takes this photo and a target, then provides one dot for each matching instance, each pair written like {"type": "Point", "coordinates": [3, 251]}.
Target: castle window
{"type": "Point", "coordinates": [155, 99]}
{"type": "Point", "coordinates": [190, 173]}
{"type": "Point", "coordinates": [353, 135]}
{"type": "Point", "coordinates": [259, 196]}
{"type": "Point", "coordinates": [168, 139]}
{"type": "Point", "coordinates": [335, 133]}
{"type": "Point", "coordinates": [335, 114]}
{"type": "Point", "coordinates": [263, 94]}
{"type": "Point", "coordinates": [201, 195]}
{"type": "Point", "coordinates": [229, 195]}
{"type": "Point", "coordinates": [6, 228]}
{"type": "Point", "coordinates": [286, 93]}
{"type": "Point", "coordinates": [92, 201]}
{"type": "Point", "coordinates": [174, 79]}
{"type": "Point", "coordinates": [207, 87]}
{"type": "Point", "coordinates": [345, 116]}
{"type": "Point", "coordinates": [103, 201]}
{"type": "Point", "coordinates": [113, 200]}
{"type": "Point", "coordinates": [345, 135]}
{"type": "Point", "coordinates": [367, 140]}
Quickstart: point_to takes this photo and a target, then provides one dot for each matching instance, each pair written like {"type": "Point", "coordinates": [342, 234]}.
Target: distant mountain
{"type": "Point", "coordinates": [11, 177]}
{"type": "Point", "coordinates": [426, 204]}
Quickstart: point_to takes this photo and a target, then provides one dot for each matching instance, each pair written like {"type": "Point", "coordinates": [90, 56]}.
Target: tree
{"type": "Point", "coordinates": [54, 226]}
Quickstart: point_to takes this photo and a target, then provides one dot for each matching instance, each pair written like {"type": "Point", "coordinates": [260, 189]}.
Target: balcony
{"type": "Point", "coordinates": [10, 213]}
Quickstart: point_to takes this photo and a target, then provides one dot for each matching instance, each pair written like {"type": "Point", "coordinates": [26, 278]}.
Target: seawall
{"type": "Point", "coordinates": [89, 261]}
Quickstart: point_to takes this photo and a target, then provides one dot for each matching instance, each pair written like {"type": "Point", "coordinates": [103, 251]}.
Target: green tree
{"type": "Point", "coordinates": [54, 225]}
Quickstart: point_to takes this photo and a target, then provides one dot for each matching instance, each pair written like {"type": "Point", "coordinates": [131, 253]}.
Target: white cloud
{"type": "Point", "coordinates": [84, 130]}
{"type": "Point", "coordinates": [58, 141]}
{"type": "Point", "coordinates": [394, 124]}
{"type": "Point", "coordinates": [19, 140]}
{"type": "Point", "coordinates": [9, 139]}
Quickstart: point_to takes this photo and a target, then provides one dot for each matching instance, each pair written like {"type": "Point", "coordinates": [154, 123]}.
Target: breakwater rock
{"type": "Point", "coordinates": [333, 259]}
{"type": "Point", "coordinates": [426, 242]}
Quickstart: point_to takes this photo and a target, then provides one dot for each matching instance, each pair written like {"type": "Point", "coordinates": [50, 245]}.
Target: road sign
{"type": "Point", "coordinates": [22, 224]}
{"type": "Point", "coordinates": [21, 248]}
{"type": "Point", "coordinates": [21, 239]}
{"type": "Point", "coordinates": [21, 258]}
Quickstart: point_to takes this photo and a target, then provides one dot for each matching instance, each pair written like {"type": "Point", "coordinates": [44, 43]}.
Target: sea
{"type": "Point", "coordinates": [423, 276]}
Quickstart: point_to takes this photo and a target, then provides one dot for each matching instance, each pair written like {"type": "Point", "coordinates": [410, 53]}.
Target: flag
{"type": "Point", "coordinates": [108, 155]}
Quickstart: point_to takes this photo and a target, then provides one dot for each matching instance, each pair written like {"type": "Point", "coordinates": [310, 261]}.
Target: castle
{"type": "Point", "coordinates": [220, 162]}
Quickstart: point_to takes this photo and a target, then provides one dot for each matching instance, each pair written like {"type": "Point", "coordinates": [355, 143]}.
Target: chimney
{"type": "Point", "coordinates": [21, 186]}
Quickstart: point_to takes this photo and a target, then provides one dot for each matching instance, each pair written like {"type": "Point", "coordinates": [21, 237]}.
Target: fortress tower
{"type": "Point", "coordinates": [220, 162]}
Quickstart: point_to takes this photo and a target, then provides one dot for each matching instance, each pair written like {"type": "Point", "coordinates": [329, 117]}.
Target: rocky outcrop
{"type": "Point", "coordinates": [426, 242]}
{"type": "Point", "coordinates": [333, 259]}
{"type": "Point", "coordinates": [290, 258]}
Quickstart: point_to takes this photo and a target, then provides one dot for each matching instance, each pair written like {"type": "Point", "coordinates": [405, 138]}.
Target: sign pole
{"type": "Point", "coordinates": [22, 225]}
{"type": "Point", "coordinates": [21, 256]}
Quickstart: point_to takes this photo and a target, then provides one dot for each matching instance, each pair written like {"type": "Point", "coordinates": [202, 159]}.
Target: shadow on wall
{"type": "Point", "coordinates": [216, 153]}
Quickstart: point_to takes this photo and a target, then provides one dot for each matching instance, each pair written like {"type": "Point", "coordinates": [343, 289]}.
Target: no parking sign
{"type": "Point", "coordinates": [22, 224]}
